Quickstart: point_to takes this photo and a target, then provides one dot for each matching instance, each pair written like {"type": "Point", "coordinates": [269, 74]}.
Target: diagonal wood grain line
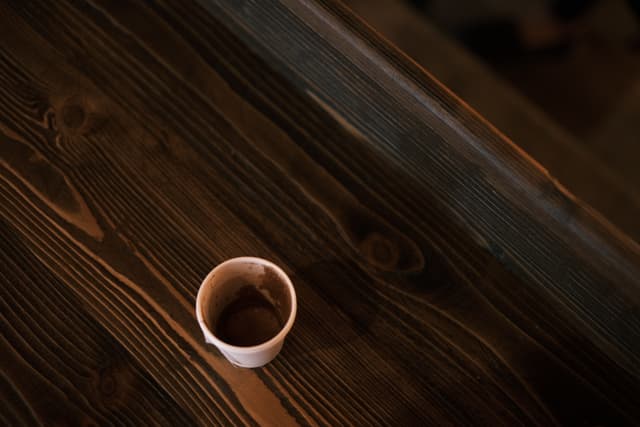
{"type": "Point", "coordinates": [117, 311]}
{"type": "Point", "coordinates": [94, 364]}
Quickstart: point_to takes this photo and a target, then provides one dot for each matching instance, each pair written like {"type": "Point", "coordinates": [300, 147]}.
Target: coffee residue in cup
{"type": "Point", "coordinates": [250, 319]}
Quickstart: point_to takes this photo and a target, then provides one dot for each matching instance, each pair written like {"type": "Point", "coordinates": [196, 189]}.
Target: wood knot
{"type": "Point", "coordinates": [77, 115]}
{"type": "Point", "coordinates": [380, 244]}
{"type": "Point", "coordinates": [108, 385]}
{"type": "Point", "coordinates": [380, 251]}
{"type": "Point", "coordinates": [113, 384]}
{"type": "Point", "coordinates": [73, 116]}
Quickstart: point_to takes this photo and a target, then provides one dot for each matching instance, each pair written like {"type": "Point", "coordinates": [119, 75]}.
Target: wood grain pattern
{"type": "Point", "coordinates": [443, 277]}
{"type": "Point", "coordinates": [588, 176]}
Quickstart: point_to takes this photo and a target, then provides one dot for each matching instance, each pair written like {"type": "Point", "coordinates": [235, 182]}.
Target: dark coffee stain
{"type": "Point", "coordinates": [250, 319]}
{"type": "Point", "coordinates": [256, 313]}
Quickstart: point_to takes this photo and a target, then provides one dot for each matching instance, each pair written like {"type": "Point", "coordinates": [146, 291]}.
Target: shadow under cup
{"type": "Point", "coordinates": [245, 303]}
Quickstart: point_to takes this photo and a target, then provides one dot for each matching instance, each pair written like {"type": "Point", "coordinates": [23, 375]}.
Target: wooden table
{"type": "Point", "coordinates": [443, 277]}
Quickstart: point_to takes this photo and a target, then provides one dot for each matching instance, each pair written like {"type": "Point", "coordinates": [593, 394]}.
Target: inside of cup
{"type": "Point", "coordinates": [236, 283]}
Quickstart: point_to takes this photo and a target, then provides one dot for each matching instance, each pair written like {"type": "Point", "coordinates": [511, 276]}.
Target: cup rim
{"type": "Point", "coordinates": [211, 337]}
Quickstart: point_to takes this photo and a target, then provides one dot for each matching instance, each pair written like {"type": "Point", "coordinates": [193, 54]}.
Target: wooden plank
{"type": "Point", "coordinates": [600, 180]}
{"type": "Point", "coordinates": [443, 277]}
{"type": "Point", "coordinates": [60, 367]}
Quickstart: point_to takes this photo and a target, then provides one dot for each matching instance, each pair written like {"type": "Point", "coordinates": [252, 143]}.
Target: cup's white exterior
{"type": "Point", "coordinates": [208, 294]}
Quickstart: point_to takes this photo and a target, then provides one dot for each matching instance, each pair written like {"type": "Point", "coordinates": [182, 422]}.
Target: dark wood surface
{"type": "Point", "coordinates": [443, 277]}
{"type": "Point", "coordinates": [599, 169]}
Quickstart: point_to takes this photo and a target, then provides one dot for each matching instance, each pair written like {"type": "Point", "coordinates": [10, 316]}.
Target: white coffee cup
{"type": "Point", "coordinates": [227, 299]}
